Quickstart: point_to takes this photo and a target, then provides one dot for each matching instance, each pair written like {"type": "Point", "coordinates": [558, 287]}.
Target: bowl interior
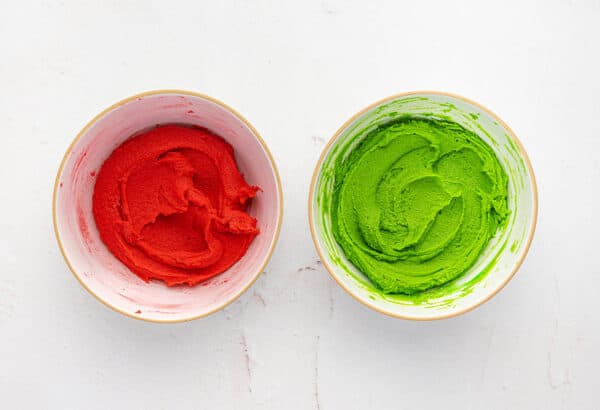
{"type": "Point", "coordinates": [95, 266]}
{"type": "Point", "coordinates": [501, 257]}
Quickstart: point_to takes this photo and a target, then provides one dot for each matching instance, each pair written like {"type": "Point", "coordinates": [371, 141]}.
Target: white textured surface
{"type": "Point", "coordinates": [297, 70]}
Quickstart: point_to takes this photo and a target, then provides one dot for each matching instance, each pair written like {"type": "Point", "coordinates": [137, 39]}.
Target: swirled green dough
{"type": "Point", "coordinates": [415, 203]}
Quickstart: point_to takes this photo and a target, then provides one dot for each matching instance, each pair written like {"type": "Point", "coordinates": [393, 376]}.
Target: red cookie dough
{"type": "Point", "coordinates": [171, 205]}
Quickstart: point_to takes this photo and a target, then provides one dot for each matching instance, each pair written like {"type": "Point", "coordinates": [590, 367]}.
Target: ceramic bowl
{"type": "Point", "coordinates": [105, 277]}
{"type": "Point", "coordinates": [502, 256]}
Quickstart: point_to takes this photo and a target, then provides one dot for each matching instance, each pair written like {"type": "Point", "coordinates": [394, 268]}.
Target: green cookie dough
{"type": "Point", "coordinates": [416, 202]}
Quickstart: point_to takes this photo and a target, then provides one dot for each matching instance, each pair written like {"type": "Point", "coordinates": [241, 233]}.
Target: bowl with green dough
{"type": "Point", "coordinates": [423, 205]}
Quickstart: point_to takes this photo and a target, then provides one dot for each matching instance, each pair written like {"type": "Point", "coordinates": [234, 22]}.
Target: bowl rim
{"type": "Point", "coordinates": [317, 170]}
{"type": "Point", "coordinates": [239, 117]}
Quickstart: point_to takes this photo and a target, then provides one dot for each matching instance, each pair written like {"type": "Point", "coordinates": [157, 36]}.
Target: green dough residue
{"type": "Point", "coordinates": [415, 203]}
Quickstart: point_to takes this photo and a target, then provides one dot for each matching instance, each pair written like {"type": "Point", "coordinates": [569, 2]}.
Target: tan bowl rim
{"type": "Point", "coordinates": [123, 102]}
{"type": "Point", "coordinates": [317, 170]}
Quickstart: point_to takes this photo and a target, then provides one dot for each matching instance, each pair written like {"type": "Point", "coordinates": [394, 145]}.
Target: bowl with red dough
{"type": "Point", "coordinates": [167, 206]}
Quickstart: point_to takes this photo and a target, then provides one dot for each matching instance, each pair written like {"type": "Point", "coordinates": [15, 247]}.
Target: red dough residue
{"type": "Point", "coordinates": [83, 228]}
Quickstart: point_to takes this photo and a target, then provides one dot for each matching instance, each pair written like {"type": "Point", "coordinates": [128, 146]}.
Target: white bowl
{"type": "Point", "coordinates": [94, 265]}
{"type": "Point", "coordinates": [506, 250]}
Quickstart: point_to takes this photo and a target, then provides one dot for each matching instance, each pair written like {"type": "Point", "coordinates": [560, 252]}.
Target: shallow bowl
{"type": "Point", "coordinates": [104, 276]}
{"type": "Point", "coordinates": [504, 253]}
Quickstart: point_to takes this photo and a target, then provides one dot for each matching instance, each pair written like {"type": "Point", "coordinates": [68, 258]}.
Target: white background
{"type": "Point", "coordinates": [297, 70]}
